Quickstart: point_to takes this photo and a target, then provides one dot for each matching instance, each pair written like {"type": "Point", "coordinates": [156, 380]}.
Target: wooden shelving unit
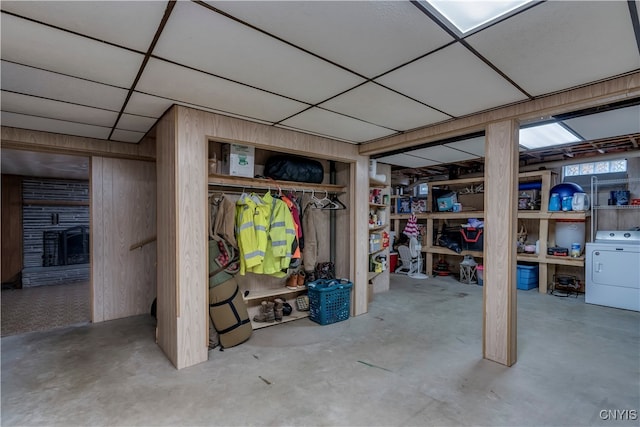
{"type": "Point", "coordinates": [542, 218]}
{"type": "Point", "coordinates": [379, 279]}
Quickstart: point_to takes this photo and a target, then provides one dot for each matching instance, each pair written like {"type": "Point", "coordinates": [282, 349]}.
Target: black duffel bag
{"type": "Point", "coordinates": [293, 168]}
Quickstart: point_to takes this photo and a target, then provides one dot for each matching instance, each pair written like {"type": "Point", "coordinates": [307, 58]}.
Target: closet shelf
{"type": "Point", "coordinates": [270, 184]}
{"type": "Point", "coordinates": [293, 316]}
{"type": "Point", "coordinates": [268, 293]}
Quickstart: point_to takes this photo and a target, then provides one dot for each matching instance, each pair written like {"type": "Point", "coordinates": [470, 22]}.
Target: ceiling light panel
{"type": "Point", "coordinates": [468, 15]}
{"type": "Point", "coordinates": [126, 136]}
{"type": "Point", "coordinates": [406, 160]}
{"type": "Point", "coordinates": [623, 121]}
{"type": "Point", "coordinates": [25, 104]}
{"type": "Point", "coordinates": [226, 48]}
{"type": "Point", "coordinates": [545, 135]}
{"type": "Point", "coordinates": [161, 78]}
{"type": "Point", "coordinates": [335, 30]}
{"type": "Point", "coordinates": [130, 24]}
{"type": "Point", "coordinates": [54, 126]}
{"type": "Point", "coordinates": [561, 44]}
{"type": "Point", "coordinates": [135, 123]}
{"type": "Point", "coordinates": [336, 125]}
{"type": "Point", "coordinates": [442, 154]}
{"type": "Point", "coordinates": [33, 81]}
{"type": "Point", "coordinates": [471, 145]}
{"type": "Point", "coordinates": [454, 81]}
{"type": "Point", "coordinates": [376, 104]}
{"type": "Point", "coordinates": [37, 45]}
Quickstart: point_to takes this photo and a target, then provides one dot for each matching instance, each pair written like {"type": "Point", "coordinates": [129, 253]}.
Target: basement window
{"type": "Point", "coordinates": [595, 168]}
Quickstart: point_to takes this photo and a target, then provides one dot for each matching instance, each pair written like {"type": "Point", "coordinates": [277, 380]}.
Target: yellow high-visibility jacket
{"type": "Point", "coordinates": [251, 231]}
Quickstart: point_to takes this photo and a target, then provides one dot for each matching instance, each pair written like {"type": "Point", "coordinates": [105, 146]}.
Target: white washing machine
{"type": "Point", "coordinates": [613, 269]}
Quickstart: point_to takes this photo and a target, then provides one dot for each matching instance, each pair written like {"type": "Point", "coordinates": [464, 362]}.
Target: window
{"type": "Point", "coordinates": [592, 168]}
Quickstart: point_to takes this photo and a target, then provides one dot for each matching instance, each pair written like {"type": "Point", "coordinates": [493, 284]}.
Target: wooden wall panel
{"type": "Point", "coordinates": [11, 227]}
{"type": "Point", "coordinates": [501, 183]}
{"type": "Point", "coordinates": [360, 201]}
{"type": "Point", "coordinates": [124, 281]}
{"type": "Point", "coordinates": [167, 259]}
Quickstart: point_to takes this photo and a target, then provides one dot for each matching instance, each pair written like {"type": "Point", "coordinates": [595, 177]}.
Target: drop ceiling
{"type": "Point", "coordinates": [353, 71]}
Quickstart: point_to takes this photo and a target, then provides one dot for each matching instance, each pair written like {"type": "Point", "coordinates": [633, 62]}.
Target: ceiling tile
{"type": "Point", "coordinates": [126, 136]}
{"type": "Point", "coordinates": [33, 81]}
{"type": "Point", "coordinates": [623, 121]}
{"type": "Point", "coordinates": [160, 77]}
{"type": "Point", "coordinates": [55, 126]}
{"type": "Point", "coordinates": [336, 125]}
{"type": "Point", "coordinates": [385, 34]}
{"type": "Point", "coordinates": [406, 160]}
{"type": "Point", "coordinates": [29, 43]}
{"type": "Point", "coordinates": [561, 44]}
{"type": "Point", "coordinates": [453, 80]}
{"type": "Point", "coordinates": [442, 154]}
{"type": "Point", "coordinates": [31, 105]}
{"type": "Point", "coordinates": [126, 23]}
{"type": "Point", "coordinates": [472, 145]}
{"type": "Point", "coordinates": [226, 48]}
{"type": "Point", "coordinates": [376, 104]}
{"type": "Point", "coordinates": [135, 123]}
{"type": "Point", "coordinates": [147, 105]}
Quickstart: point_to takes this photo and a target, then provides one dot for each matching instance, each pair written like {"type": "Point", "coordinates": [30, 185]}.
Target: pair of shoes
{"type": "Point", "coordinates": [278, 309]}
{"type": "Point", "coordinates": [267, 312]}
{"type": "Point", "coordinates": [302, 303]}
{"type": "Point", "coordinates": [292, 281]}
{"type": "Point", "coordinates": [296, 280]}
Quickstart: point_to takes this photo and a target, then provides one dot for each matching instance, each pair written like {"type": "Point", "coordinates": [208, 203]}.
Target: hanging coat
{"type": "Point", "coordinates": [251, 232]}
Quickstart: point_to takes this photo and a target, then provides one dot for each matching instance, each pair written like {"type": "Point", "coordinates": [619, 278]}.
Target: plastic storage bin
{"type": "Point", "coordinates": [329, 300]}
{"type": "Point", "coordinates": [527, 276]}
{"type": "Point", "coordinates": [480, 271]}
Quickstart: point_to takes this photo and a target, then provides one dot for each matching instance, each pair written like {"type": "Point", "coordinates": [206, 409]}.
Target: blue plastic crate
{"type": "Point", "coordinates": [527, 276]}
{"type": "Point", "coordinates": [329, 300]}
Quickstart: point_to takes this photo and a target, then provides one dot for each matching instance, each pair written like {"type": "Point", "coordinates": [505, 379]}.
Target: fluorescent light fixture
{"type": "Point", "coordinates": [467, 15]}
{"type": "Point", "coordinates": [546, 135]}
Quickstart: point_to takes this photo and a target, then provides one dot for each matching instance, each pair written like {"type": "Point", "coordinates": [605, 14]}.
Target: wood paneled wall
{"type": "Point", "coordinates": [501, 184]}
{"type": "Point", "coordinates": [11, 227]}
{"type": "Point", "coordinates": [123, 212]}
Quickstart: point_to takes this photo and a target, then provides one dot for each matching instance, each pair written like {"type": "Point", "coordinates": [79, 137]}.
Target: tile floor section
{"type": "Point", "coordinates": [41, 308]}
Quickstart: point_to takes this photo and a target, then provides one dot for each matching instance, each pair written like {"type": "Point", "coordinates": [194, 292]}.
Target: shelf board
{"type": "Point", "coordinates": [378, 205]}
{"type": "Point", "coordinates": [615, 207]}
{"type": "Point", "coordinates": [378, 251]}
{"type": "Point", "coordinates": [376, 183]}
{"type": "Point", "coordinates": [456, 181]}
{"type": "Point", "coordinates": [372, 275]}
{"type": "Point", "coordinates": [565, 260]}
{"type": "Point", "coordinates": [55, 202]}
{"type": "Point", "coordinates": [457, 215]}
{"type": "Point", "coordinates": [407, 216]}
{"type": "Point", "coordinates": [269, 293]}
{"type": "Point", "coordinates": [296, 315]}
{"type": "Point", "coordinates": [525, 214]}
{"type": "Point", "coordinates": [266, 184]}
{"type": "Point", "coordinates": [447, 251]}
{"type": "Point", "coordinates": [378, 228]}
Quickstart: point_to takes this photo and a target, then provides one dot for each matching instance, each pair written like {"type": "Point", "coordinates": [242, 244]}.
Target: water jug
{"type": "Point", "coordinates": [567, 202]}
{"type": "Point", "coordinates": [554, 202]}
{"type": "Point", "coordinates": [580, 202]}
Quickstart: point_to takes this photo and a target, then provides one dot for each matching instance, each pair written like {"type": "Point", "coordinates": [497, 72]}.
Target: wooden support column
{"type": "Point", "coordinates": [359, 242]}
{"type": "Point", "coordinates": [499, 342]}
{"type": "Point", "coordinates": [182, 243]}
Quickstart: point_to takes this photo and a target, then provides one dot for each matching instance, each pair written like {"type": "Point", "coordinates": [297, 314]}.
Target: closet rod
{"type": "Point", "coordinates": [273, 187]}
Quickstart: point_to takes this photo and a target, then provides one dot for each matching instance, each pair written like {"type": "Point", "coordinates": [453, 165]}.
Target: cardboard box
{"type": "Point", "coordinates": [238, 160]}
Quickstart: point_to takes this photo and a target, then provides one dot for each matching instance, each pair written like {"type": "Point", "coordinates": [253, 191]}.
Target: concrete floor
{"type": "Point", "coordinates": [414, 359]}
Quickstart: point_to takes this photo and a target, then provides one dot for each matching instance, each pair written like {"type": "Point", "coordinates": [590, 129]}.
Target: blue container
{"type": "Point", "coordinates": [329, 300]}
{"type": "Point", "coordinates": [527, 276]}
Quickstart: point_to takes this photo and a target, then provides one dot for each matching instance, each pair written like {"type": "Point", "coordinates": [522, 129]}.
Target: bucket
{"type": "Point", "coordinates": [570, 231]}
{"type": "Point", "coordinates": [393, 261]}
{"type": "Point", "coordinates": [480, 272]}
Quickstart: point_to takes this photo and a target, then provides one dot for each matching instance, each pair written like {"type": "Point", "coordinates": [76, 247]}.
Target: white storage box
{"type": "Point", "coordinates": [238, 160]}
